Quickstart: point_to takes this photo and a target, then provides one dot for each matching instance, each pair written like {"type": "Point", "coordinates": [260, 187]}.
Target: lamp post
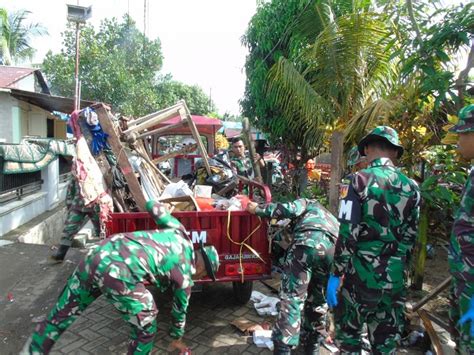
{"type": "Point", "coordinates": [79, 15]}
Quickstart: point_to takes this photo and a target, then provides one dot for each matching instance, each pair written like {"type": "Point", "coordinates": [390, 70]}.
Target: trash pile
{"type": "Point", "coordinates": [116, 171]}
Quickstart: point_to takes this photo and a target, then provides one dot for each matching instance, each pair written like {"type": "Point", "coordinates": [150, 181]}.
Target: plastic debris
{"type": "Point", "coordinates": [38, 319]}
{"type": "Point", "coordinates": [263, 339]}
{"type": "Point", "coordinates": [265, 305]}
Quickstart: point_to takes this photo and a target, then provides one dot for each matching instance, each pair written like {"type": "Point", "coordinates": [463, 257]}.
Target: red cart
{"type": "Point", "coordinates": [239, 237]}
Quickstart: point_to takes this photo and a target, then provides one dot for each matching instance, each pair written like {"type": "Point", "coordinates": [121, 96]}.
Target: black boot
{"type": "Point", "coordinates": [281, 349]}
{"type": "Point", "coordinates": [60, 253]}
{"type": "Point", "coordinates": [311, 349]}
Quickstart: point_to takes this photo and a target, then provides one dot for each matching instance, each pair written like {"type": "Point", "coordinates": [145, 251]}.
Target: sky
{"type": "Point", "coordinates": [201, 39]}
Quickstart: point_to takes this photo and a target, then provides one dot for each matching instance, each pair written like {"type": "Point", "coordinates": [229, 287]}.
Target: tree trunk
{"type": "Point", "coordinates": [337, 147]}
{"type": "Point", "coordinates": [420, 256]}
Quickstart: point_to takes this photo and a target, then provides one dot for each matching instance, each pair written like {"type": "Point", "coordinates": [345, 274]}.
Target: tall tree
{"type": "Point", "coordinates": [16, 35]}
{"type": "Point", "coordinates": [118, 65]}
{"type": "Point", "coordinates": [169, 91]}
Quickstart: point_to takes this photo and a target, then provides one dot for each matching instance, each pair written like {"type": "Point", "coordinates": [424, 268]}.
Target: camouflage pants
{"type": "Point", "coordinates": [94, 276]}
{"type": "Point", "coordinates": [382, 311]}
{"type": "Point", "coordinates": [75, 220]}
{"type": "Point", "coordinates": [305, 274]}
{"type": "Point", "coordinates": [460, 297]}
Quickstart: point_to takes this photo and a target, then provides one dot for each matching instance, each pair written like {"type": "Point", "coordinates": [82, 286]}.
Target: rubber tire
{"type": "Point", "coordinates": [242, 291]}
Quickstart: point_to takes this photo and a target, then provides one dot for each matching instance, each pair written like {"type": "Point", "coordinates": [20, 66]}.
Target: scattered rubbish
{"type": "Point", "coordinates": [430, 251]}
{"type": "Point", "coordinates": [247, 327]}
{"type": "Point", "coordinates": [265, 305]}
{"type": "Point", "coordinates": [10, 297]}
{"type": "Point", "coordinates": [263, 339]}
{"type": "Point", "coordinates": [38, 319]}
{"type": "Point", "coordinates": [186, 351]}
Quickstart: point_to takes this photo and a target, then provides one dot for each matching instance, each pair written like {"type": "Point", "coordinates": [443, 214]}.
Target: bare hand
{"type": "Point", "coordinates": [178, 344]}
{"type": "Point", "coordinates": [251, 207]}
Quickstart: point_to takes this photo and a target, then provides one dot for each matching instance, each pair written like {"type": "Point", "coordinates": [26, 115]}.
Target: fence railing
{"type": "Point", "coordinates": [15, 186]}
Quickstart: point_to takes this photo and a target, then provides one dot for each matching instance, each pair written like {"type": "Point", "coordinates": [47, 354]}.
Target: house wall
{"type": "Point", "coordinates": [19, 119]}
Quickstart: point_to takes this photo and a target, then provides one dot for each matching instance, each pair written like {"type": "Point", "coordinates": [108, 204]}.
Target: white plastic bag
{"type": "Point", "coordinates": [176, 189]}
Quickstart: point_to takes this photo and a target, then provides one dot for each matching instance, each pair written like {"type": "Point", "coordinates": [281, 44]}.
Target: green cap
{"type": "Point", "coordinates": [466, 120]}
{"type": "Point", "coordinates": [211, 260]}
{"type": "Point", "coordinates": [354, 157]}
{"type": "Point", "coordinates": [381, 133]}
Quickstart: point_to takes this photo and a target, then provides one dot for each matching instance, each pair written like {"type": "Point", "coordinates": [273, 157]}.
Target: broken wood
{"type": "Point", "coordinates": [248, 138]}
{"type": "Point", "coordinates": [435, 292]}
{"type": "Point", "coordinates": [185, 114]}
{"type": "Point", "coordinates": [431, 332]}
{"type": "Point", "coordinates": [186, 198]}
{"type": "Point", "coordinates": [122, 159]}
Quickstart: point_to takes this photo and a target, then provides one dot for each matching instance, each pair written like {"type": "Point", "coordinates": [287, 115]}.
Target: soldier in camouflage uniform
{"type": "Point", "coordinates": [379, 221]}
{"type": "Point", "coordinates": [240, 162]}
{"type": "Point", "coordinates": [118, 268]}
{"type": "Point", "coordinates": [77, 216]}
{"type": "Point", "coordinates": [355, 162]}
{"type": "Point", "coordinates": [461, 255]}
{"type": "Point", "coordinates": [308, 244]}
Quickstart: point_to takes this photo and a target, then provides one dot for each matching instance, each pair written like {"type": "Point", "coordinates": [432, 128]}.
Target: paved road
{"type": "Point", "coordinates": [35, 284]}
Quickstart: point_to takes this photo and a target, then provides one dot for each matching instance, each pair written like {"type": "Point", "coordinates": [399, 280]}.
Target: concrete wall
{"type": "Point", "coordinates": [16, 213]}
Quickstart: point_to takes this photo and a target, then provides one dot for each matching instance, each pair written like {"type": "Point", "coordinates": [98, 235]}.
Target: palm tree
{"type": "Point", "coordinates": [15, 36]}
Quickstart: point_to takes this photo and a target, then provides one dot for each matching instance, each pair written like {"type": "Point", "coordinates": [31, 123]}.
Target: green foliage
{"type": "Point", "coordinates": [16, 36]}
{"type": "Point", "coordinates": [119, 66]}
{"type": "Point", "coordinates": [170, 91]}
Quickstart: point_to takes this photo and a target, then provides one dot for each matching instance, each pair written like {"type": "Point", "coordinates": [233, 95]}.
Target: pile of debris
{"type": "Point", "coordinates": [116, 171]}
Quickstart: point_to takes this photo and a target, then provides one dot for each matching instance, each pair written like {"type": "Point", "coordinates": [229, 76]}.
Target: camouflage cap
{"type": "Point", "coordinates": [381, 133]}
{"type": "Point", "coordinates": [354, 157]}
{"type": "Point", "coordinates": [211, 260]}
{"type": "Point", "coordinates": [466, 120]}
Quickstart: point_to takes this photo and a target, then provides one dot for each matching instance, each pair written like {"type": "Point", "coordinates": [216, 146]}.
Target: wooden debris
{"type": "Point", "coordinates": [435, 292]}
{"type": "Point", "coordinates": [431, 332]}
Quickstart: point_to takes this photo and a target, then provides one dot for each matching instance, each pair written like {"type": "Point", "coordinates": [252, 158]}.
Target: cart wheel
{"type": "Point", "coordinates": [242, 291]}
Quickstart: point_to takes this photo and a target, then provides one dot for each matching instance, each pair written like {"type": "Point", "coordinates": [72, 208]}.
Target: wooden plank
{"type": "Point", "coordinates": [122, 159]}
{"type": "Point", "coordinates": [248, 138]}
{"type": "Point", "coordinates": [438, 348]}
{"type": "Point", "coordinates": [337, 146]}
{"type": "Point", "coordinates": [435, 292]}
{"type": "Point", "coordinates": [186, 115]}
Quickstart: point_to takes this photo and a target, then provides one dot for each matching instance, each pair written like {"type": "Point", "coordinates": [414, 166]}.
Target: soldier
{"type": "Point", "coordinates": [308, 247]}
{"type": "Point", "coordinates": [240, 162]}
{"type": "Point", "coordinates": [118, 268]}
{"type": "Point", "coordinates": [461, 255]}
{"type": "Point", "coordinates": [379, 221]}
{"type": "Point", "coordinates": [355, 162]}
{"type": "Point", "coordinates": [77, 216]}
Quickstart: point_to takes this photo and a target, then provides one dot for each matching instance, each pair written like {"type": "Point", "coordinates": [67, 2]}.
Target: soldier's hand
{"type": "Point", "coordinates": [469, 316]}
{"type": "Point", "coordinates": [179, 345]}
{"type": "Point", "coordinates": [251, 207]}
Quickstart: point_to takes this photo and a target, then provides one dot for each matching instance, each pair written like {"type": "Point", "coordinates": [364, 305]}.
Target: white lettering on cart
{"type": "Point", "coordinates": [198, 236]}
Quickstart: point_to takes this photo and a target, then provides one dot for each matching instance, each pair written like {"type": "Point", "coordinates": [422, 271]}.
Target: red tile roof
{"type": "Point", "coordinates": [10, 75]}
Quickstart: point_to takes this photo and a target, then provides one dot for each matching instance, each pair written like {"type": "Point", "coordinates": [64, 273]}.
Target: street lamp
{"type": "Point", "coordinates": [79, 15]}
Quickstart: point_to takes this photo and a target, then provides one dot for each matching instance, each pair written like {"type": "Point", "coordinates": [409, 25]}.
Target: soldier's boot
{"type": "Point", "coordinates": [311, 349]}
{"type": "Point", "coordinates": [59, 254]}
{"type": "Point", "coordinates": [281, 349]}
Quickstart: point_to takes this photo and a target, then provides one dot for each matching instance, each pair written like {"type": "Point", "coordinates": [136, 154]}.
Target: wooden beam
{"type": "Point", "coordinates": [122, 159]}
{"type": "Point", "coordinates": [185, 114]}
{"type": "Point", "coordinates": [435, 292]}
{"type": "Point", "coordinates": [438, 348]}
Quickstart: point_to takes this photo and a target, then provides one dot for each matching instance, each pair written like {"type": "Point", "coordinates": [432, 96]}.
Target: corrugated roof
{"type": "Point", "coordinates": [10, 75]}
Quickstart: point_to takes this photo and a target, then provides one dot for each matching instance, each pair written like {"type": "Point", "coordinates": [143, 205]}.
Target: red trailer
{"type": "Point", "coordinates": [240, 238]}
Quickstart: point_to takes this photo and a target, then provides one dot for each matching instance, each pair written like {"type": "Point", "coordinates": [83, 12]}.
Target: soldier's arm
{"type": "Point", "coordinates": [411, 231]}
{"type": "Point", "coordinates": [349, 217]}
{"type": "Point", "coordinates": [283, 210]}
{"type": "Point", "coordinates": [179, 309]}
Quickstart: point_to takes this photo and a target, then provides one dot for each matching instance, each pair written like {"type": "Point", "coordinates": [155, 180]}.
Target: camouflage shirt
{"type": "Point", "coordinates": [307, 216]}
{"type": "Point", "coordinates": [243, 166]}
{"type": "Point", "coordinates": [462, 236]}
{"type": "Point", "coordinates": [379, 222]}
{"type": "Point", "coordinates": [164, 257]}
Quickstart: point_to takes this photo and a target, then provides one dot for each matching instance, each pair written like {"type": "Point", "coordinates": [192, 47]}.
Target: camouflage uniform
{"type": "Point", "coordinates": [309, 248]}
{"type": "Point", "coordinates": [243, 166]}
{"type": "Point", "coordinates": [379, 221]}
{"type": "Point", "coordinates": [118, 268]}
{"type": "Point", "coordinates": [461, 255]}
{"type": "Point", "coordinates": [77, 214]}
